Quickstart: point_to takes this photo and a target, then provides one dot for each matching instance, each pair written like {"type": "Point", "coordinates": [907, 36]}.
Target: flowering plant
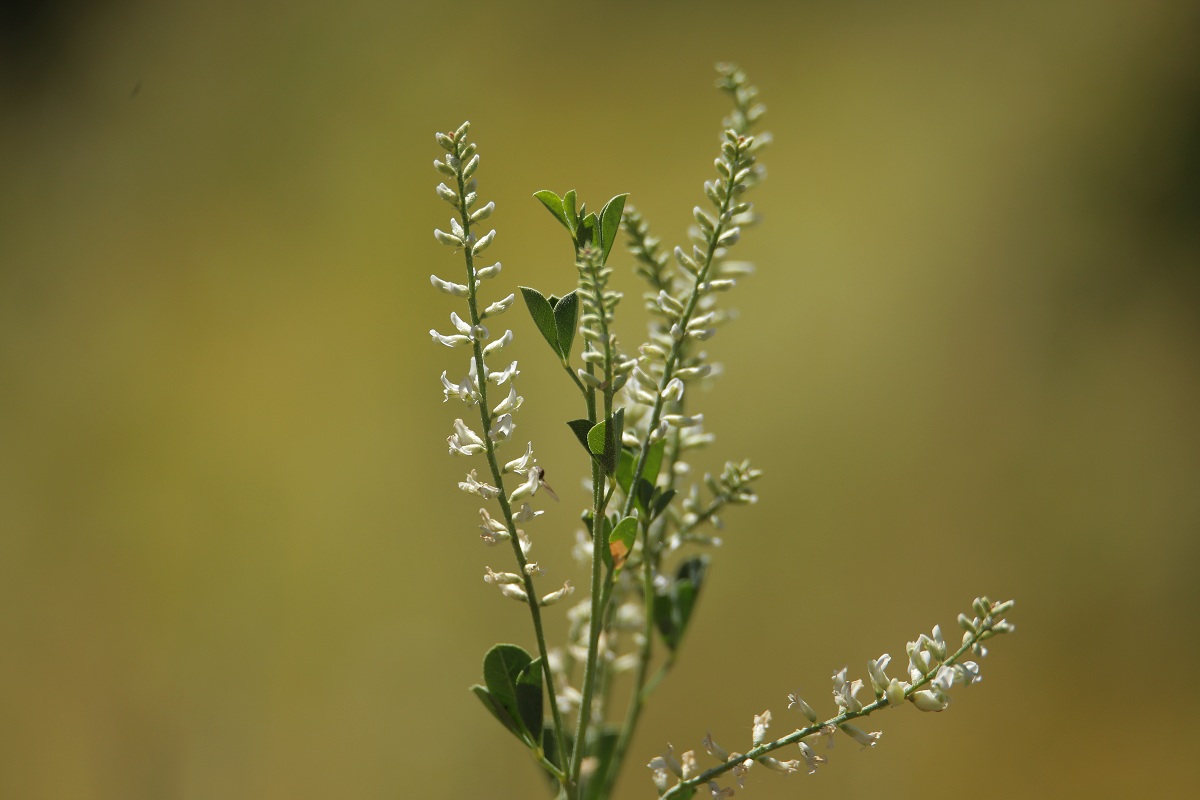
{"type": "Point", "coordinates": [639, 422]}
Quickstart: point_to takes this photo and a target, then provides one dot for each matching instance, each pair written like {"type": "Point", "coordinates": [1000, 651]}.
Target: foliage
{"type": "Point", "coordinates": [639, 421]}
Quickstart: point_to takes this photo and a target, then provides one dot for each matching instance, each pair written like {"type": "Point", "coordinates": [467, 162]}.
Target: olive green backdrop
{"type": "Point", "coordinates": [233, 561]}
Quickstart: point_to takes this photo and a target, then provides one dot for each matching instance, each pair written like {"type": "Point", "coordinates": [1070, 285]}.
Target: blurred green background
{"type": "Point", "coordinates": [233, 561]}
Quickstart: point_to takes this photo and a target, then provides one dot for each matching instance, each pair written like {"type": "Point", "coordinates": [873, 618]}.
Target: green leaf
{"type": "Point", "coordinates": [568, 202]}
{"type": "Point", "coordinates": [625, 465]}
{"type": "Point", "coordinates": [502, 667]}
{"type": "Point", "coordinates": [585, 234]}
{"type": "Point", "coordinates": [673, 610]}
{"type": "Point", "coordinates": [566, 313]}
{"type": "Point", "coordinates": [603, 749]}
{"type": "Point", "coordinates": [610, 223]}
{"type": "Point", "coordinates": [543, 315]}
{"type": "Point", "coordinates": [580, 428]}
{"type": "Point", "coordinates": [529, 699]}
{"type": "Point", "coordinates": [596, 438]}
{"type": "Point", "coordinates": [604, 440]}
{"type": "Point", "coordinates": [620, 541]}
{"type": "Point", "coordinates": [555, 206]}
{"type": "Point", "coordinates": [645, 493]}
{"type": "Point", "coordinates": [628, 462]}
{"type": "Point", "coordinates": [660, 502]}
{"type": "Point", "coordinates": [498, 711]}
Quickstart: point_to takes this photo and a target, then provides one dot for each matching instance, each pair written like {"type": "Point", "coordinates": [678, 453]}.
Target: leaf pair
{"type": "Point", "coordinates": [514, 691]}
{"type": "Point", "coordinates": [586, 229]}
{"type": "Point", "coordinates": [603, 439]}
{"type": "Point", "coordinates": [555, 318]}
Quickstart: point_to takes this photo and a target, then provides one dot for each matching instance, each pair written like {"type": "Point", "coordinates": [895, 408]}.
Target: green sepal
{"type": "Point", "coordinates": [530, 699]}
{"type": "Point", "coordinates": [555, 205]}
{"type": "Point", "coordinates": [673, 610]}
{"type": "Point", "coordinates": [503, 667]}
{"type": "Point", "coordinates": [543, 316]}
{"type": "Point", "coordinates": [610, 223]}
{"type": "Point", "coordinates": [566, 314]}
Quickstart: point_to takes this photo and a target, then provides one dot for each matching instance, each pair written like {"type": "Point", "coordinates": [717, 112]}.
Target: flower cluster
{"type": "Point", "coordinates": [497, 422]}
{"type": "Point", "coordinates": [636, 424]}
{"type": "Point", "coordinates": [932, 672]}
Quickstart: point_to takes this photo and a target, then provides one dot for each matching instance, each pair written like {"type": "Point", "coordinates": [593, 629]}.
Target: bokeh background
{"type": "Point", "coordinates": [233, 561]}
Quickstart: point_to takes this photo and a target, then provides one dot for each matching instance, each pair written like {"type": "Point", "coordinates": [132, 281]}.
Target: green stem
{"type": "Point", "coordinates": [601, 585]}
{"type": "Point", "coordinates": [833, 722]}
{"type": "Point", "coordinates": [649, 563]}
{"type": "Point", "coordinates": [485, 416]}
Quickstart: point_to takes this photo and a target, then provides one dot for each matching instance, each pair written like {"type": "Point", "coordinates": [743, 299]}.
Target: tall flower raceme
{"type": "Point", "coordinates": [636, 421]}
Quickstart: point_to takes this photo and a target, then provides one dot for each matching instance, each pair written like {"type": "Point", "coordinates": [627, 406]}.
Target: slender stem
{"type": "Point", "coordinates": [485, 416]}
{"type": "Point", "coordinates": [833, 722]}
{"type": "Point", "coordinates": [601, 585]}
{"type": "Point", "coordinates": [649, 563]}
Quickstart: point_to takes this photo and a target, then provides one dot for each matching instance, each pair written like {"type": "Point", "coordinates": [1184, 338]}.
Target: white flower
{"type": "Point", "coordinates": [682, 421]}
{"type": "Point", "coordinates": [527, 513]}
{"type": "Point", "coordinates": [879, 679]}
{"type": "Point", "coordinates": [528, 488]}
{"type": "Point", "coordinates": [759, 731]}
{"type": "Point", "coordinates": [786, 767]}
{"type": "Point", "coordinates": [465, 441]}
{"type": "Point", "coordinates": [461, 325]}
{"type": "Point", "coordinates": [667, 761]}
{"type": "Point", "coordinates": [513, 592]}
{"type": "Point", "coordinates": [510, 403]}
{"type": "Point", "coordinates": [713, 749]}
{"type": "Point", "coordinates": [930, 700]}
{"type": "Point", "coordinates": [499, 343]}
{"type": "Point", "coordinates": [502, 428]}
{"type": "Point", "coordinates": [811, 759]}
{"type": "Point", "coordinates": [690, 767]}
{"type": "Point", "coordinates": [739, 773]}
{"type": "Point", "coordinates": [499, 378]}
{"type": "Point", "coordinates": [944, 678]}
{"type": "Point", "coordinates": [456, 289]}
{"type": "Point", "coordinates": [523, 463]}
{"type": "Point", "coordinates": [473, 485]}
{"type": "Point", "coordinates": [555, 596]}
{"type": "Point", "coordinates": [844, 694]}
{"type": "Point", "coordinates": [794, 699]}
{"type": "Point", "coordinates": [673, 390]}
{"type": "Point", "coordinates": [501, 578]}
{"type": "Point", "coordinates": [464, 390]}
{"type": "Point", "coordinates": [452, 340]}
{"type": "Point", "coordinates": [860, 736]}
{"type": "Point", "coordinates": [500, 306]}
{"type": "Point", "coordinates": [484, 273]}
{"type": "Point", "coordinates": [717, 792]}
